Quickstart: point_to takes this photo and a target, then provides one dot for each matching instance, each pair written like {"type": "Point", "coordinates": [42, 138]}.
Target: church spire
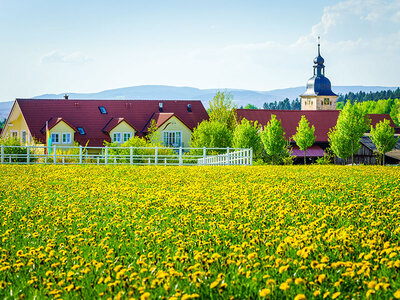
{"type": "Point", "coordinates": [319, 68]}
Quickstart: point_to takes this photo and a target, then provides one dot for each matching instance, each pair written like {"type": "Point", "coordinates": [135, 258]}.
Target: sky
{"type": "Point", "coordinates": [49, 46]}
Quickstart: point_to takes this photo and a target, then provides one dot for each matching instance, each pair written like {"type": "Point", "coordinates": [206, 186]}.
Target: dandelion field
{"type": "Point", "coordinates": [199, 232]}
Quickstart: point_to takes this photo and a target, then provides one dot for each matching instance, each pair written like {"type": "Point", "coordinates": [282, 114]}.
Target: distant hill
{"type": "Point", "coordinates": [161, 92]}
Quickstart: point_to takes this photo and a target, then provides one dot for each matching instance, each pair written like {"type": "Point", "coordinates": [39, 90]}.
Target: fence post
{"type": "Point", "coordinates": [2, 154]}
{"type": "Point", "coordinates": [228, 156]}
{"type": "Point", "coordinates": [80, 154]}
{"type": "Point", "coordinates": [131, 156]}
{"type": "Point", "coordinates": [55, 154]}
{"type": "Point", "coordinates": [105, 155]}
{"type": "Point", "coordinates": [251, 156]}
{"type": "Point", "coordinates": [204, 152]}
{"type": "Point", "coordinates": [155, 155]}
{"type": "Point", "coordinates": [28, 154]}
{"type": "Point", "coordinates": [180, 156]}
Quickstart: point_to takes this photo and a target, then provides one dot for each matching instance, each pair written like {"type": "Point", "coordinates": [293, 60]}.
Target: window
{"type": "Point", "coordinates": [81, 130]}
{"type": "Point", "coordinates": [117, 137]}
{"type": "Point", "coordinates": [55, 138]}
{"type": "Point", "coordinates": [14, 134]}
{"type": "Point", "coordinates": [126, 136]}
{"type": "Point", "coordinates": [326, 101]}
{"type": "Point", "coordinates": [103, 110]}
{"type": "Point", "coordinates": [66, 138]}
{"type": "Point", "coordinates": [172, 138]}
{"type": "Point", "coordinates": [23, 136]}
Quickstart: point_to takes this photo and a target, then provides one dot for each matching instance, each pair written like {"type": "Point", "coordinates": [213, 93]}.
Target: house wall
{"type": "Point", "coordinates": [16, 123]}
{"type": "Point", "coordinates": [122, 127]}
{"type": "Point", "coordinates": [61, 128]}
{"type": "Point", "coordinates": [174, 124]}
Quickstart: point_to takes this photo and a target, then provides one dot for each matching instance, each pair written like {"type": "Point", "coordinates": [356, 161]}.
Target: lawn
{"type": "Point", "coordinates": [199, 232]}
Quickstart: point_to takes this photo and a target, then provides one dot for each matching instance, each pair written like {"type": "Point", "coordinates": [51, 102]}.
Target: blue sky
{"type": "Point", "coordinates": [89, 46]}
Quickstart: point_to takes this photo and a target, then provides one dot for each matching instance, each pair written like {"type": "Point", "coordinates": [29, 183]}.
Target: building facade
{"type": "Point", "coordinates": [93, 122]}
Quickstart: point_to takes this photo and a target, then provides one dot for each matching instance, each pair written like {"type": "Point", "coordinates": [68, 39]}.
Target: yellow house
{"type": "Point", "coordinates": [93, 122]}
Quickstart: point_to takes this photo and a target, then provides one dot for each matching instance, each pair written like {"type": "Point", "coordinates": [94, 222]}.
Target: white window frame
{"type": "Point", "coordinates": [65, 134]}
{"type": "Point", "coordinates": [15, 131]}
{"type": "Point", "coordinates": [52, 140]}
{"type": "Point", "coordinates": [172, 131]}
{"type": "Point", "coordinates": [123, 136]}
{"type": "Point", "coordinates": [26, 139]}
{"type": "Point", "coordinates": [120, 137]}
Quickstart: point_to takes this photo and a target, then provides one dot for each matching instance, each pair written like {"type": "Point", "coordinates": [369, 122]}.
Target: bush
{"type": "Point", "coordinates": [141, 151]}
{"type": "Point", "coordinates": [211, 134]}
{"type": "Point", "coordinates": [246, 136]}
{"type": "Point", "coordinates": [13, 149]}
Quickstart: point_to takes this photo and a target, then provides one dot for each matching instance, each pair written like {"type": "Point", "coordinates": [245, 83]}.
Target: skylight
{"type": "Point", "coordinates": [81, 130]}
{"type": "Point", "coordinates": [102, 110]}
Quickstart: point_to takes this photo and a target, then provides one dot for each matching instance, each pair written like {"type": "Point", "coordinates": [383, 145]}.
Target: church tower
{"type": "Point", "coordinates": [319, 95]}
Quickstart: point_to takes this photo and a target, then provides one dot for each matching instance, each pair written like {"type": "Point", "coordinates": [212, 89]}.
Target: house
{"type": "Point", "coordinates": [91, 122]}
{"type": "Point", "coordinates": [323, 121]}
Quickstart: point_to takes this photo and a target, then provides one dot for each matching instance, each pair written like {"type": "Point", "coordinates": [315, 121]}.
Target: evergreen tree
{"type": "Point", "coordinates": [304, 136]}
{"type": "Point", "coordinates": [273, 138]}
{"type": "Point", "coordinates": [383, 137]}
{"type": "Point", "coordinates": [351, 125]}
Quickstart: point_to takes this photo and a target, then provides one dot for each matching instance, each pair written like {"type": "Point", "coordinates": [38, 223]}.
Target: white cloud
{"type": "Point", "coordinates": [64, 58]}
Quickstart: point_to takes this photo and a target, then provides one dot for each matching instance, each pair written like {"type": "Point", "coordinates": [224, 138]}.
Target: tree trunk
{"type": "Point", "coordinates": [305, 156]}
{"type": "Point", "coordinates": [352, 153]}
{"type": "Point", "coordinates": [383, 158]}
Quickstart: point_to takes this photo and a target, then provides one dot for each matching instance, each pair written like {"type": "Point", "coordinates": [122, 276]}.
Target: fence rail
{"type": "Point", "coordinates": [238, 157]}
{"type": "Point", "coordinates": [124, 155]}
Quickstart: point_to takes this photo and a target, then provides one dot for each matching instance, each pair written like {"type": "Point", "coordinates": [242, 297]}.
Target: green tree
{"type": "Point", "coordinates": [383, 137]}
{"type": "Point", "coordinates": [153, 135]}
{"type": "Point", "coordinates": [250, 106]}
{"type": "Point", "coordinates": [246, 136]}
{"type": "Point", "coordinates": [211, 134]}
{"type": "Point", "coordinates": [273, 138]}
{"type": "Point", "coordinates": [351, 125]}
{"type": "Point", "coordinates": [304, 136]}
{"type": "Point", "coordinates": [222, 109]}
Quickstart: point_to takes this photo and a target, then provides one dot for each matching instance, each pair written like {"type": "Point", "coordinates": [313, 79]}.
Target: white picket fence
{"type": "Point", "coordinates": [166, 156]}
{"type": "Point", "coordinates": [238, 157]}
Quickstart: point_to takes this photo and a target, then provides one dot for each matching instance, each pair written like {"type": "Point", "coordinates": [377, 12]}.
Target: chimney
{"type": "Point", "coordinates": [66, 97]}
{"type": "Point", "coordinates": [160, 107]}
{"type": "Point", "coordinates": [189, 107]}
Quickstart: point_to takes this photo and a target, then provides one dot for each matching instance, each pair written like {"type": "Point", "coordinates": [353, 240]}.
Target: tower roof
{"type": "Point", "coordinates": [319, 85]}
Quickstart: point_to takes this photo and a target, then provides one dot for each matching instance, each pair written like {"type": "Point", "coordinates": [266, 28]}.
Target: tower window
{"type": "Point", "coordinates": [326, 101]}
{"type": "Point", "coordinates": [103, 110]}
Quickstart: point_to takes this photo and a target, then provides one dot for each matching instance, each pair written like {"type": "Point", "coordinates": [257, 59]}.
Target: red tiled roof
{"type": "Point", "coordinates": [322, 120]}
{"type": "Point", "coordinates": [313, 151]}
{"type": "Point", "coordinates": [86, 114]}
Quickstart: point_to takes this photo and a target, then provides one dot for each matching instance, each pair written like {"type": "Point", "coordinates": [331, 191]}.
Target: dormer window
{"type": "Point", "coordinates": [160, 106]}
{"type": "Point", "coordinates": [103, 110]}
{"type": "Point", "coordinates": [189, 107]}
{"type": "Point", "coordinates": [81, 130]}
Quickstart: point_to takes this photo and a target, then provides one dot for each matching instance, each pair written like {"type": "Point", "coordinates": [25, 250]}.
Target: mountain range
{"type": "Point", "coordinates": [162, 92]}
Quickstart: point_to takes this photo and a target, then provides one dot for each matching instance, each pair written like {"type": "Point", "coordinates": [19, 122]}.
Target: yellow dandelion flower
{"type": "Point", "coordinates": [264, 292]}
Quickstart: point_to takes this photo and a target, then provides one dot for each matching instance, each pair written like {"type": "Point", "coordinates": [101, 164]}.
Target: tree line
{"type": "Point", "coordinates": [281, 105]}
{"type": "Point", "coordinates": [371, 96]}
{"type": "Point", "coordinates": [270, 144]}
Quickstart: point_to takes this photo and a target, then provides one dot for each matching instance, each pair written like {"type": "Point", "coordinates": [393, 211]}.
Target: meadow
{"type": "Point", "coordinates": [274, 232]}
